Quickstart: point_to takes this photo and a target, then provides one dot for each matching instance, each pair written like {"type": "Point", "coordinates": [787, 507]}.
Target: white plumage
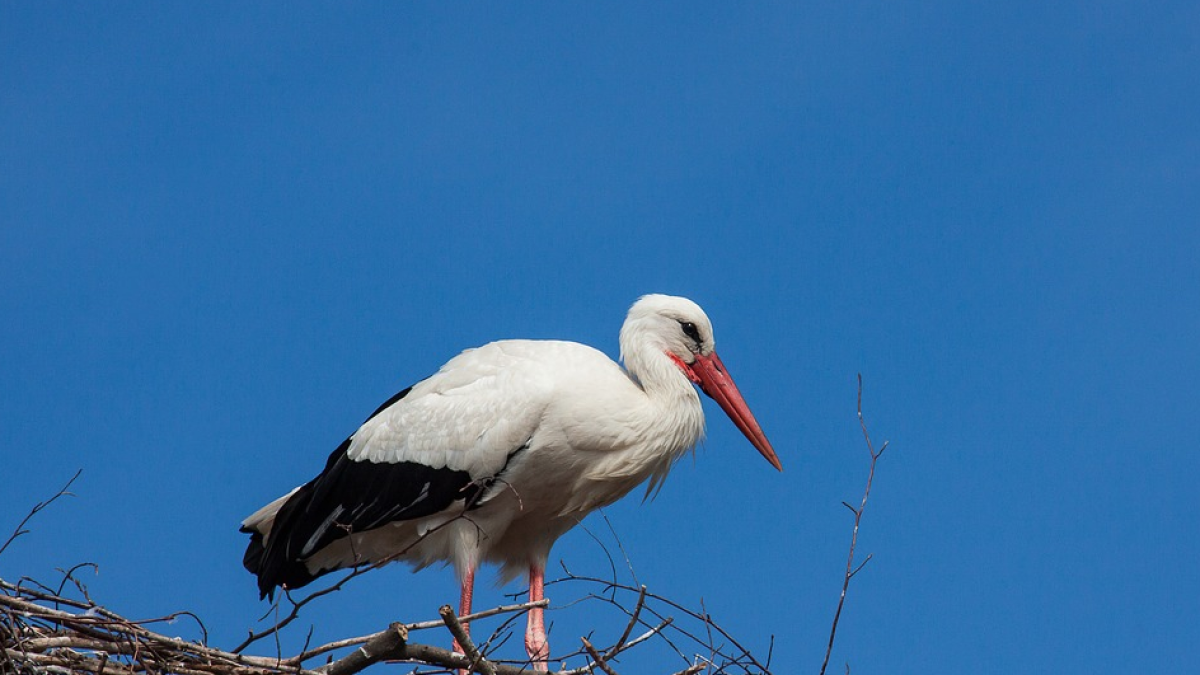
{"type": "Point", "coordinates": [500, 452]}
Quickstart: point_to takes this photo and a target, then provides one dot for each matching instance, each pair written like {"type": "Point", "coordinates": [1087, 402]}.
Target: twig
{"type": "Point", "coordinates": [633, 619]}
{"type": "Point", "coordinates": [502, 609]}
{"type": "Point", "coordinates": [670, 603]}
{"type": "Point", "coordinates": [862, 565]}
{"type": "Point", "coordinates": [628, 563]}
{"type": "Point", "coordinates": [409, 627]}
{"type": "Point", "coordinates": [596, 658]}
{"type": "Point", "coordinates": [587, 670]}
{"type": "Point", "coordinates": [712, 649]}
{"type": "Point", "coordinates": [603, 549]}
{"type": "Point", "coordinates": [851, 570]}
{"type": "Point", "coordinates": [647, 635]}
{"type": "Point", "coordinates": [34, 511]}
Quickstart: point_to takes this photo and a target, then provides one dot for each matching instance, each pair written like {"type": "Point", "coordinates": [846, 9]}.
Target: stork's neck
{"type": "Point", "coordinates": [659, 374]}
{"type": "Point", "coordinates": [671, 422]}
{"type": "Point", "coordinates": [654, 369]}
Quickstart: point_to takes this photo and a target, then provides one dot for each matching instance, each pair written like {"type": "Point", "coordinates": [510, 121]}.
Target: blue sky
{"type": "Point", "coordinates": [230, 231]}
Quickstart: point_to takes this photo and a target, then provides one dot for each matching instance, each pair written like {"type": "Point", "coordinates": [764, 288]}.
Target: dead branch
{"type": "Point", "coordinates": [633, 621]}
{"type": "Point", "coordinates": [20, 530]}
{"type": "Point", "coordinates": [464, 640]}
{"type": "Point", "coordinates": [391, 641]}
{"type": "Point", "coordinates": [851, 570]}
{"type": "Point", "coordinates": [596, 658]}
{"type": "Point", "coordinates": [740, 659]}
{"type": "Point", "coordinates": [515, 610]}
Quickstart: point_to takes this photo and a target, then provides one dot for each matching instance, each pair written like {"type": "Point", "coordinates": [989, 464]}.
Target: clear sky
{"type": "Point", "coordinates": [229, 231]}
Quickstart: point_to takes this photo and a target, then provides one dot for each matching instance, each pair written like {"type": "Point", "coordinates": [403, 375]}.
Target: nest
{"type": "Point", "coordinates": [47, 630]}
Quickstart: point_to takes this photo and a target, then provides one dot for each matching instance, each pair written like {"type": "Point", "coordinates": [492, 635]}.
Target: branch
{"type": "Point", "coordinates": [851, 570]}
{"type": "Point", "coordinates": [409, 627]}
{"type": "Point", "coordinates": [295, 612]}
{"type": "Point", "coordinates": [633, 620]}
{"type": "Point", "coordinates": [589, 668]}
{"type": "Point", "coordinates": [742, 657]}
{"type": "Point", "coordinates": [34, 511]}
{"type": "Point", "coordinates": [464, 640]}
{"type": "Point", "coordinates": [391, 641]}
{"type": "Point", "coordinates": [596, 658]}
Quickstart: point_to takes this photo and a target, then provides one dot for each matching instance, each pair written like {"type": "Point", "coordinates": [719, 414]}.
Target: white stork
{"type": "Point", "coordinates": [502, 451]}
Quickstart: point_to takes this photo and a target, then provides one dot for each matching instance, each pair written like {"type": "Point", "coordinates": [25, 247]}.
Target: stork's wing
{"type": "Point", "coordinates": [438, 443]}
{"type": "Point", "coordinates": [471, 415]}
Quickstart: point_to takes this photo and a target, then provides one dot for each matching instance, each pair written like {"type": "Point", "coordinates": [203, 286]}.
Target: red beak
{"type": "Point", "coordinates": [714, 380]}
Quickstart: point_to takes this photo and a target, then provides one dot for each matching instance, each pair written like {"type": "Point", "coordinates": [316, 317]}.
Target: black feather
{"type": "Point", "coordinates": [350, 497]}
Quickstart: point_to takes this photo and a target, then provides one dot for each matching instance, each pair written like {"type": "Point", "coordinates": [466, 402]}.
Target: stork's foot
{"type": "Point", "coordinates": [535, 631]}
{"type": "Point", "coordinates": [538, 649]}
{"type": "Point", "coordinates": [536, 644]}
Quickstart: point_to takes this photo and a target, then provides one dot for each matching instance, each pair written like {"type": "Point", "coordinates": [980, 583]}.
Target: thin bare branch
{"type": "Point", "coordinates": [862, 564]}
{"type": "Point", "coordinates": [612, 565]}
{"type": "Point", "coordinates": [420, 625]}
{"type": "Point", "coordinates": [647, 635]}
{"type": "Point", "coordinates": [656, 630]}
{"type": "Point", "coordinates": [708, 626]}
{"type": "Point", "coordinates": [502, 609]}
{"type": "Point", "coordinates": [20, 530]}
{"type": "Point", "coordinates": [620, 546]}
{"type": "Point", "coordinates": [596, 658]}
{"type": "Point", "coordinates": [633, 620]}
{"type": "Point", "coordinates": [743, 653]}
{"type": "Point", "coordinates": [851, 570]}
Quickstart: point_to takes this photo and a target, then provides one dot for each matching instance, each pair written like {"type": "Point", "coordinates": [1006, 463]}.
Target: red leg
{"type": "Point", "coordinates": [535, 634]}
{"type": "Point", "coordinates": [464, 607]}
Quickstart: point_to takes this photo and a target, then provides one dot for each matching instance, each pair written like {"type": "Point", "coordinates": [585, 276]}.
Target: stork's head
{"type": "Point", "coordinates": [677, 328]}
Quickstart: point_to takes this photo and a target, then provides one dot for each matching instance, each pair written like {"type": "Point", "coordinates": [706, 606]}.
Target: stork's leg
{"type": "Point", "coordinates": [535, 634]}
{"type": "Point", "coordinates": [464, 608]}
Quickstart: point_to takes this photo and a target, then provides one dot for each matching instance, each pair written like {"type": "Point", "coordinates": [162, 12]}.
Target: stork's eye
{"type": "Point", "coordinates": [689, 329]}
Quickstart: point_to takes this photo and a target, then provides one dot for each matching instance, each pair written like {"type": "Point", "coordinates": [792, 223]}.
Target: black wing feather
{"type": "Point", "coordinates": [349, 497]}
